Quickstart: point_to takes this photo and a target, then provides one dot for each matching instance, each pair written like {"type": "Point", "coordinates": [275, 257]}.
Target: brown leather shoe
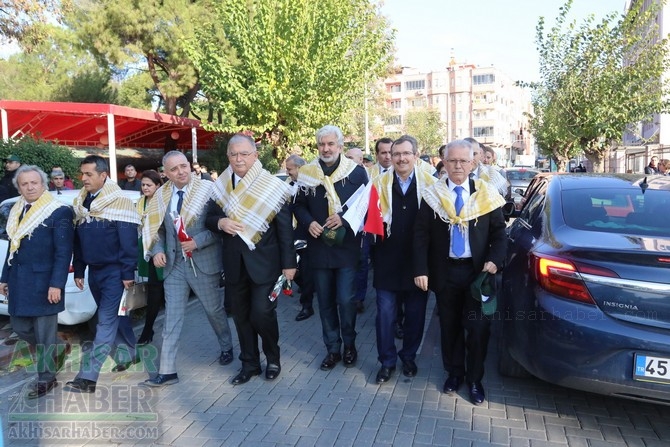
{"type": "Point", "coordinates": [330, 361]}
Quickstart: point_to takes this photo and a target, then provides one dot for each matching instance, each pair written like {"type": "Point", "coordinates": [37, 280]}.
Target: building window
{"type": "Point", "coordinates": [415, 85]}
{"type": "Point", "coordinates": [483, 79]}
{"type": "Point", "coordinates": [394, 120]}
{"type": "Point", "coordinates": [418, 102]}
{"type": "Point", "coordinates": [483, 131]}
{"type": "Point", "coordinates": [396, 104]}
{"type": "Point", "coordinates": [394, 88]}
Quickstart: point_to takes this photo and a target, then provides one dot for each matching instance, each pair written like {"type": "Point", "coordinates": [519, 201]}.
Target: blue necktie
{"type": "Point", "coordinates": [180, 202]}
{"type": "Point", "coordinates": [458, 242]}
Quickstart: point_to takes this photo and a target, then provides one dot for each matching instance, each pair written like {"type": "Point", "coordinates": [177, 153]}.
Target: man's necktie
{"type": "Point", "coordinates": [180, 202]}
{"type": "Point", "coordinates": [458, 239]}
{"type": "Point", "coordinates": [87, 201]}
{"type": "Point", "coordinates": [25, 211]}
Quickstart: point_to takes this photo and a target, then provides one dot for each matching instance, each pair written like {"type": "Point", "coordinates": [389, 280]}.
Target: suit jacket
{"type": "Point", "coordinates": [391, 256]}
{"type": "Point", "coordinates": [207, 257]}
{"type": "Point", "coordinates": [311, 207]}
{"type": "Point", "coordinates": [432, 239]}
{"type": "Point", "coordinates": [42, 261]}
{"type": "Point", "coordinates": [273, 252]}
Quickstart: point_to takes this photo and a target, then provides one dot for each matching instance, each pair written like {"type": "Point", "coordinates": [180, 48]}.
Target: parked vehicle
{"type": "Point", "coordinates": [79, 304]}
{"type": "Point", "coordinates": [585, 298]}
{"type": "Point", "coordinates": [519, 178]}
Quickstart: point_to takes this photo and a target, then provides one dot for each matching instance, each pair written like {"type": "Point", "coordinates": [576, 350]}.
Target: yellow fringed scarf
{"type": "Point", "coordinates": [311, 175]}
{"type": "Point", "coordinates": [109, 204]}
{"type": "Point", "coordinates": [254, 202]}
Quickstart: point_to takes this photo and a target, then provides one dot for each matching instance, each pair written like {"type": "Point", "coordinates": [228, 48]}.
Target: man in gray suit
{"type": "Point", "coordinates": [190, 262]}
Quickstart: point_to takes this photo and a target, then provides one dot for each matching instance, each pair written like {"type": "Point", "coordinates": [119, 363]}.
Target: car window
{"type": "Point", "coordinates": [521, 175]}
{"type": "Point", "coordinates": [623, 211]}
{"type": "Point", "coordinates": [532, 209]}
{"type": "Point", "coordinates": [5, 208]}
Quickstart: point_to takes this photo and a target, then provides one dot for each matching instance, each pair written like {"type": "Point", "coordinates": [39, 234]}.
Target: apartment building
{"type": "Point", "coordinates": [478, 102]}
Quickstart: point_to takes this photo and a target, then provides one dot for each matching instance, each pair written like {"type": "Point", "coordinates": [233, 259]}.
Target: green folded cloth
{"type": "Point", "coordinates": [483, 289]}
{"type": "Point", "coordinates": [333, 237]}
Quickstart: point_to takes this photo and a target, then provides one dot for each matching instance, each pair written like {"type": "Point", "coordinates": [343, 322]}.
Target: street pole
{"type": "Point", "coordinates": [367, 131]}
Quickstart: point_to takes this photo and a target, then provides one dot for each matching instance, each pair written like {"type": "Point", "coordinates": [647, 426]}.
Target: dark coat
{"type": "Point", "coordinates": [134, 185]}
{"type": "Point", "coordinates": [432, 240]}
{"type": "Point", "coordinates": [311, 207]}
{"type": "Point", "coordinates": [7, 188]}
{"type": "Point", "coordinates": [42, 261]}
{"type": "Point", "coordinates": [273, 252]}
{"type": "Point", "coordinates": [392, 256]}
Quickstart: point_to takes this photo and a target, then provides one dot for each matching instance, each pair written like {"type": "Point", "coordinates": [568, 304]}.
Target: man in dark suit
{"type": "Point", "coordinates": [459, 232]}
{"type": "Point", "coordinates": [131, 182]}
{"type": "Point", "coordinates": [189, 264]}
{"type": "Point", "coordinates": [255, 221]}
{"type": "Point", "coordinates": [199, 173]}
{"type": "Point", "coordinates": [400, 195]}
{"type": "Point", "coordinates": [105, 243]}
{"type": "Point", "coordinates": [36, 274]}
{"type": "Point", "coordinates": [324, 187]}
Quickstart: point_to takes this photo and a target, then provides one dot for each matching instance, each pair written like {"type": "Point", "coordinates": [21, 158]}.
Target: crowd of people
{"type": "Point", "coordinates": [443, 231]}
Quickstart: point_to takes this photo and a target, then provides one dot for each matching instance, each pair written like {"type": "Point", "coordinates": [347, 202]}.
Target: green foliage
{"type": "Point", "coordinates": [282, 69]}
{"type": "Point", "coordinates": [41, 153]}
{"type": "Point", "coordinates": [217, 160]}
{"type": "Point", "coordinates": [136, 91]}
{"type": "Point", "coordinates": [597, 79]}
{"type": "Point", "coordinates": [425, 125]}
{"type": "Point", "coordinates": [90, 86]}
{"type": "Point", "coordinates": [26, 21]}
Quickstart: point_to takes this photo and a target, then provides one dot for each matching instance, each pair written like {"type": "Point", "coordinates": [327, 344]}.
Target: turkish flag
{"type": "Point", "coordinates": [374, 223]}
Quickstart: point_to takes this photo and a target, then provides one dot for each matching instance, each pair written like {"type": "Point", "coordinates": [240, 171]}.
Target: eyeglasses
{"type": "Point", "coordinates": [402, 154]}
{"type": "Point", "coordinates": [458, 162]}
{"type": "Point", "coordinates": [239, 154]}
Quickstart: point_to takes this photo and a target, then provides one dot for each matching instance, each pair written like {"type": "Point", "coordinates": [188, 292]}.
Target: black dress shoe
{"type": "Point", "coordinates": [330, 361]}
{"type": "Point", "coordinates": [384, 374]}
{"type": "Point", "coordinates": [42, 388]}
{"type": "Point", "coordinates": [452, 384]}
{"type": "Point", "coordinates": [120, 367]}
{"type": "Point", "coordinates": [409, 368]}
{"type": "Point", "coordinates": [272, 371]}
{"type": "Point", "coordinates": [304, 314]}
{"type": "Point", "coordinates": [226, 357]}
{"type": "Point", "coordinates": [476, 393]}
{"type": "Point", "coordinates": [244, 376]}
{"type": "Point", "coordinates": [162, 380]}
{"type": "Point", "coordinates": [350, 356]}
{"type": "Point", "coordinates": [399, 333]}
{"type": "Point", "coordinates": [82, 385]}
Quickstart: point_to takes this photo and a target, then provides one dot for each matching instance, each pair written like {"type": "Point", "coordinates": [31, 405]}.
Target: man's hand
{"type": "Point", "coordinates": [4, 289]}
{"type": "Point", "coordinates": [189, 246]}
{"type": "Point", "coordinates": [159, 260]}
{"type": "Point", "coordinates": [229, 226]}
{"type": "Point", "coordinates": [315, 229]}
{"type": "Point", "coordinates": [79, 282]}
{"type": "Point", "coordinates": [128, 283]}
{"type": "Point", "coordinates": [421, 282]}
{"type": "Point", "coordinates": [490, 267]}
{"type": "Point", "coordinates": [54, 295]}
{"type": "Point", "coordinates": [333, 222]}
{"type": "Point", "coordinates": [289, 273]}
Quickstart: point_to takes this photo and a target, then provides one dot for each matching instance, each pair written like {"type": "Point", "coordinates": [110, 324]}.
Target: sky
{"type": "Point", "coordinates": [499, 33]}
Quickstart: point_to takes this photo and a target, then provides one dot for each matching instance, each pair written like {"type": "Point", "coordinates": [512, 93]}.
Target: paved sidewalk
{"type": "Point", "coordinates": [309, 407]}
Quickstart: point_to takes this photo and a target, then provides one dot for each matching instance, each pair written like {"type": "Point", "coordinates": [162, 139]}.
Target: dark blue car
{"type": "Point", "coordinates": [585, 299]}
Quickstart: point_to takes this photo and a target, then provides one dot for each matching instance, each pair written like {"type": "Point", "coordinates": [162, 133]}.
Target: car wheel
{"type": "Point", "coordinates": [507, 366]}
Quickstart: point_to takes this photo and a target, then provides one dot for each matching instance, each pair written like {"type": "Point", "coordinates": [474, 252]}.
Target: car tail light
{"type": "Point", "coordinates": [561, 277]}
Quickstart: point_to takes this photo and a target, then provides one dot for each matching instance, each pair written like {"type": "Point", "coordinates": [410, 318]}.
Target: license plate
{"type": "Point", "coordinates": [651, 369]}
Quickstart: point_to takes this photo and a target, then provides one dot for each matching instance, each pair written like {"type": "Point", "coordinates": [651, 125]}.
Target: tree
{"type": "Point", "coordinates": [125, 34]}
{"type": "Point", "coordinates": [25, 21]}
{"type": "Point", "coordinates": [425, 125]}
{"type": "Point", "coordinates": [41, 153]}
{"type": "Point", "coordinates": [597, 79]}
{"type": "Point", "coordinates": [282, 69]}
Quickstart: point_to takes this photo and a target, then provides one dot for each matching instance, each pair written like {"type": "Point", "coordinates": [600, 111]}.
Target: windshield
{"type": "Point", "coordinates": [623, 211]}
{"type": "Point", "coordinates": [525, 174]}
{"type": "Point", "coordinates": [5, 208]}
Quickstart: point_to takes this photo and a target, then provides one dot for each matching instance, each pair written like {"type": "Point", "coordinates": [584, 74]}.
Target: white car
{"type": "Point", "coordinates": [79, 304]}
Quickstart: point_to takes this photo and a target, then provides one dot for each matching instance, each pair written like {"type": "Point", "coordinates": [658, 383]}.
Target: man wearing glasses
{"type": "Point", "coordinates": [459, 232]}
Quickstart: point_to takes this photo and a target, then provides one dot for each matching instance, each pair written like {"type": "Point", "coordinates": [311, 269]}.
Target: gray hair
{"type": "Point", "coordinates": [296, 160]}
{"type": "Point", "coordinates": [240, 138]}
{"type": "Point", "coordinates": [171, 154]}
{"type": "Point", "coordinates": [459, 143]}
{"type": "Point", "coordinates": [407, 139]}
{"type": "Point", "coordinates": [30, 168]}
{"type": "Point", "coordinates": [330, 130]}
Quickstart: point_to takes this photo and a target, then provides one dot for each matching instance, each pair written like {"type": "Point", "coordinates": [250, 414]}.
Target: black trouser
{"type": "Point", "coordinates": [155, 298]}
{"type": "Point", "coordinates": [459, 313]}
{"type": "Point", "coordinates": [305, 281]}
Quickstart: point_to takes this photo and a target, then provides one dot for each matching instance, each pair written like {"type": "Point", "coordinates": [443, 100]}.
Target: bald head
{"type": "Point", "coordinates": [356, 155]}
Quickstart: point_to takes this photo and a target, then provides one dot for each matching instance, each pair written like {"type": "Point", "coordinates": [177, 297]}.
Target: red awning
{"type": "Point", "coordinates": [83, 124]}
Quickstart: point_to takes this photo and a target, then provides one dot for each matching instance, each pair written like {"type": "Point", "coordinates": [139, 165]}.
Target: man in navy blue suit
{"type": "Point", "coordinates": [33, 278]}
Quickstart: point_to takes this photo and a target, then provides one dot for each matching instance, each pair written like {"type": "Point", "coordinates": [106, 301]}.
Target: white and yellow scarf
{"type": "Point", "coordinates": [199, 192]}
{"type": "Point", "coordinates": [484, 200]}
{"type": "Point", "coordinates": [310, 176]}
{"type": "Point", "coordinates": [109, 204]}
{"type": "Point", "coordinates": [424, 166]}
{"type": "Point", "coordinates": [491, 175]}
{"type": "Point", "coordinates": [254, 202]}
{"type": "Point", "coordinates": [40, 210]}
{"type": "Point", "coordinates": [384, 185]}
